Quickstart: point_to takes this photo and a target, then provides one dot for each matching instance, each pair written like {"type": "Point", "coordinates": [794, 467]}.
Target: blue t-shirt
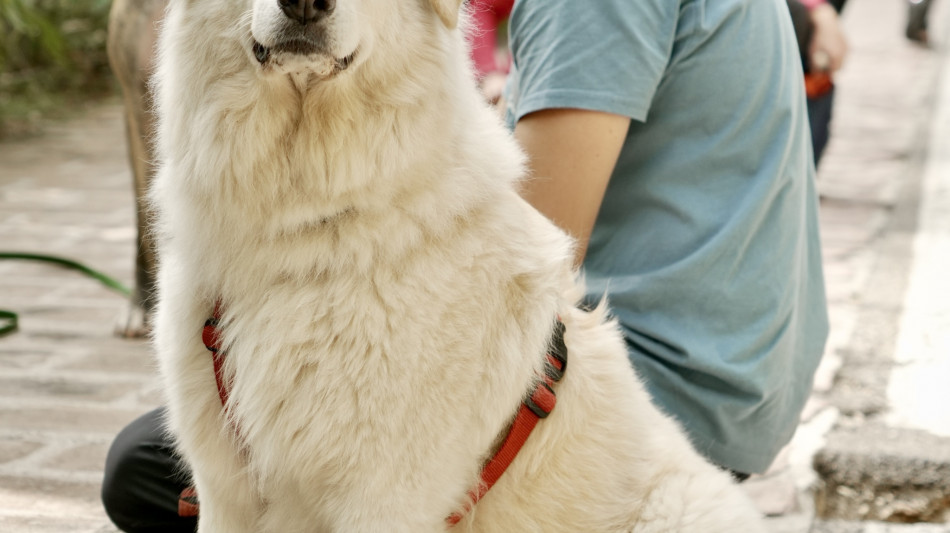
{"type": "Point", "coordinates": [707, 240]}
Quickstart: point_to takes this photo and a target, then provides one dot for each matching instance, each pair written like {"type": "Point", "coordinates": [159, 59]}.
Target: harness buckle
{"type": "Point", "coordinates": [542, 400]}
{"type": "Point", "coordinates": [556, 364]}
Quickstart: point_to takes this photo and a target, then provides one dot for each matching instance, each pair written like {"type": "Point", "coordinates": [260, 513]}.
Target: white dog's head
{"type": "Point", "coordinates": [326, 37]}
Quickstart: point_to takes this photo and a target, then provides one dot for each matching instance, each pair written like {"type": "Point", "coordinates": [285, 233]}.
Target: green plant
{"type": "Point", "coordinates": [51, 52]}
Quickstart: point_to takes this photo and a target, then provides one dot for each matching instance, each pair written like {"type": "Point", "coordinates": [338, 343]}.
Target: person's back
{"type": "Point", "coordinates": [706, 241]}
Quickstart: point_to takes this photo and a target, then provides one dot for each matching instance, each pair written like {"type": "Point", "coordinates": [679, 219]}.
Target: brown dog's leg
{"type": "Point", "coordinates": [133, 26]}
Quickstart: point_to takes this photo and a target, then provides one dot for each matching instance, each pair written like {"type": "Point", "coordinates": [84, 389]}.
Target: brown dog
{"type": "Point", "coordinates": [133, 26]}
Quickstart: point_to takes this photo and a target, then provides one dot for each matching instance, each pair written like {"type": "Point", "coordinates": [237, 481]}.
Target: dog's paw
{"type": "Point", "coordinates": [132, 322]}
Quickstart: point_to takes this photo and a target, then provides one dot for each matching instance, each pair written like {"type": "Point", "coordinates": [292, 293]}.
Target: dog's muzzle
{"type": "Point", "coordinates": [303, 32]}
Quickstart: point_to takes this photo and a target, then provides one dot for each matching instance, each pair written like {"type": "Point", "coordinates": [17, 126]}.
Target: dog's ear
{"type": "Point", "coordinates": [448, 11]}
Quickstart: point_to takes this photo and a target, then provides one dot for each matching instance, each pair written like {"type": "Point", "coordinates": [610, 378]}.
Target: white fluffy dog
{"type": "Point", "coordinates": [331, 178]}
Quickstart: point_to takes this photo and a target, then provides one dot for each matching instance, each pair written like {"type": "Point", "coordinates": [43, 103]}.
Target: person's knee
{"type": "Point", "coordinates": [121, 470]}
{"type": "Point", "coordinates": [140, 485]}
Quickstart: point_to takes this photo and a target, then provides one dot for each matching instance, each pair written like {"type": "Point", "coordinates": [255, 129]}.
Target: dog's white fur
{"type": "Point", "coordinates": [387, 296]}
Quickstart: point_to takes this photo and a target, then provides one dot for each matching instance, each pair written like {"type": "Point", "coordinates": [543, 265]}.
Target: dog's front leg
{"type": "Point", "coordinates": [228, 500]}
{"type": "Point", "coordinates": [228, 503]}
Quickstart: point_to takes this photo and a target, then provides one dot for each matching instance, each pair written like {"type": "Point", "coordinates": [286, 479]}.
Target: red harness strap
{"type": "Point", "coordinates": [536, 406]}
{"type": "Point", "coordinates": [188, 503]}
{"type": "Point", "coordinates": [212, 339]}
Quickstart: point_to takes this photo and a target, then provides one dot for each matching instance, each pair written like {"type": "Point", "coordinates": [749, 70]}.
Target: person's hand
{"type": "Point", "coordinates": [828, 46]}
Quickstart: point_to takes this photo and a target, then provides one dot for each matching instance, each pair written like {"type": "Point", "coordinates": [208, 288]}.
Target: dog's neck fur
{"type": "Point", "coordinates": [304, 123]}
{"type": "Point", "coordinates": [311, 157]}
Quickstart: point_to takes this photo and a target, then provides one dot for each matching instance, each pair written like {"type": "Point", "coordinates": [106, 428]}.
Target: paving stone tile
{"type": "Point", "coordinates": [43, 494]}
{"type": "Point", "coordinates": [127, 357]}
{"type": "Point", "coordinates": [54, 524]}
{"type": "Point", "coordinates": [24, 358]}
{"type": "Point", "coordinates": [68, 418]}
{"type": "Point", "coordinates": [85, 458]}
{"type": "Point", "coordinates": [15, 448]}
{"type": "Point", "coordinates": [67, 388]}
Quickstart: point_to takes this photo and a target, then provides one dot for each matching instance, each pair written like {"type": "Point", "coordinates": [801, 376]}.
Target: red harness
{"type": "Point", "coordinates": [535, 406]}
{"type": "Point", "coordinates": [212, 339]}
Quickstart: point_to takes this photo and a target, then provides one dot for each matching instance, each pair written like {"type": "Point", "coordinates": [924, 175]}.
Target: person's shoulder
{"type": "Point", "coordinates": [736, 23]}
{"type": "Point", "coordinates": [642, 21]}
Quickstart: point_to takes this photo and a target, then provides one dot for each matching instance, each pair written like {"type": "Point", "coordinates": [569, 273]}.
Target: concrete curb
{"type": "Point", "coordinates": [868, 469]}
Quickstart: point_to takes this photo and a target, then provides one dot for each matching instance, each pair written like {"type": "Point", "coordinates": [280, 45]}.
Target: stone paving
{"type": "Point", "coordinates": [888, 161]}
{"type": "Point", "coordinates": [871, 181]}
{"type": "Point", "coordinates": [67, 385]}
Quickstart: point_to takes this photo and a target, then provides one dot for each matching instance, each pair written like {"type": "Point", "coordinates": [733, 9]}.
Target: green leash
{"type": "Point", "coordinates": [8, 322]}
{"type": "Point", "coordinates": [9, 319]}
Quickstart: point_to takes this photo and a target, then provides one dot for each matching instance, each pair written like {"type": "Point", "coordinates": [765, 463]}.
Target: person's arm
{"type": "Point", "coordinates": [572, 154]}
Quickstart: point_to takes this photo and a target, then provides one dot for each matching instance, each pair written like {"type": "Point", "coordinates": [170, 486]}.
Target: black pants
{"type": "Point", "coordinates": [819, 121]}
{"type": "Point", "coordinates": [144, 480]}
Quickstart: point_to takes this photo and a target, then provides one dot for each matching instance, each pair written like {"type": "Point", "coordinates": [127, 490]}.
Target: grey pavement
{"type": "Point", "coordinates": [66, 384]}
{"type": "Point", "coordinates": [871, 446]}
{"type": "Point", "coordinates": [873, 451]}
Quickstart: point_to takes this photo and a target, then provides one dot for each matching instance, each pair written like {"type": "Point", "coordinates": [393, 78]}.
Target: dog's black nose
{"type": "Point", "coordinates": [307, 11]}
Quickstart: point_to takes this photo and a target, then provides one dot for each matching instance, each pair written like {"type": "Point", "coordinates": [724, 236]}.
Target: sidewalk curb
{"type": "Point", "coordinates": [875, 472]}
{"type": "Point", "coordinates": [869, 470]}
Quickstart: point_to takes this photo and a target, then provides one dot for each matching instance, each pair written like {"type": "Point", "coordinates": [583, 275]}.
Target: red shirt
{"type": "Point", "coordinates": [486, 15]}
